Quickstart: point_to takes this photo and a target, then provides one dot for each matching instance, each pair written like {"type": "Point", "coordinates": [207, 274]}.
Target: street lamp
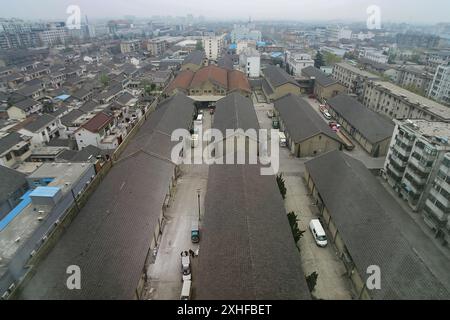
{"type": "Point", "coordinates": [198, 199]}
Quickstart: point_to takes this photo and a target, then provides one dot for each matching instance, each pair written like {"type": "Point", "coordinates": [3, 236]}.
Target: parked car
{"type": "Point", "coordinates": [195, 232]}
{"type": "Point", "coordinates": [211, 111]}
{"type": "Point", "coordinates": [270, 114]}
{"type": "Point", "coordinates": [318, 233]}
{"type": "Point", "coordinates": [327, 115]}
{"type": "Point", "coordinates": [334, 126]}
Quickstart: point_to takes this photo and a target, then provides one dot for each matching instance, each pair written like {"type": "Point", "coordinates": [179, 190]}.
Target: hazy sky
{"type": "Point", "coordinates": [420, 11]}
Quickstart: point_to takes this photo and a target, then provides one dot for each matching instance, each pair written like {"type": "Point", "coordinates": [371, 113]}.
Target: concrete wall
{"type": "Point", "coordinates": [326, 93]}
{"type": "Point", "coordinates": [284, 90]}
{"type": "Point", "coordinates": [316, 145]}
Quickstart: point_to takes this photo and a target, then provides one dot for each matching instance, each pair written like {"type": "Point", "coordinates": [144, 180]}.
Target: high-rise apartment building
{"type": "Point", "coordinates": [440, 87]}
{"type": "Point", "coordinates": [415, 158]}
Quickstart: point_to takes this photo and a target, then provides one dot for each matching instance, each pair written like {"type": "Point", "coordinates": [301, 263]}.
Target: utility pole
{"type": "Point", "coordinates": [198, 199]}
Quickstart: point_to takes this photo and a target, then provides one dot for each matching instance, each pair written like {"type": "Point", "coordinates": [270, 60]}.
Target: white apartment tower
{"type": "Point", "coordinates": [213, 46]}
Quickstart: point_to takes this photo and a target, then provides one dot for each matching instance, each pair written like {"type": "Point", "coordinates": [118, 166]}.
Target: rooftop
{"type": "Point", "coordinates": [277, 76]}
{"type": "Point", "coordinates": [360, 209]}
{"type": "Point", "coordinates": [301, 121]}
{"type": "Point", "coordinates": [429, 129]}
{"type": "Point", "coordinates": [370, 124]}
{"type": "Point", "coordinates": [321, 77]}
{"type": "Point", "coordinates": [358, 71]}
{"type": "Point", "coordinates": [424, 103]}
{"type": "Point", "coordinates": [195, 57]}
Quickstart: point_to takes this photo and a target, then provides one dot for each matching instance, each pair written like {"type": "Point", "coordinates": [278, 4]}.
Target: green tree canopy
{"type": "Point", "coordinates": [199, 45]}
{"type": "Point", "coordinates": [319, 61]}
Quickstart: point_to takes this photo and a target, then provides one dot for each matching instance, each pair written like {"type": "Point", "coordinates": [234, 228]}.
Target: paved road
{"type": "Point", "coordinates": [332, 282]}
{"type": "Point", "coordinates": [165, 274]}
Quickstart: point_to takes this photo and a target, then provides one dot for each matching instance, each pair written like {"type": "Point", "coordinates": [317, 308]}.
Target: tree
{"type": "Point", "coordinates": [281, 185]}
{"type": "Point", "coordinates": [199, 45]}
{"type": "Point", "coordinates": [311, 280]}
{"type": "Point", "coordinates": [293, 222]}
{"type": "Point", "coordinates": [350, 56]}
{"type": "Point", "coordinates": [318, 61]}
{"type": "Point", "coordinates": [104, 79]}
{"type": "Point", "coordinates": [331, 59]}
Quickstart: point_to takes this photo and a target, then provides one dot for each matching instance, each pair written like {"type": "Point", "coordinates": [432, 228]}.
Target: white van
{"type": "Point", "coordinates": [200, 117]}
{"type": "Point", "coordinates": [318, 233]}
{"type": "Point", "coordinates": [282, 136]}
{"type": "Point", "coordinates": [186, 290]}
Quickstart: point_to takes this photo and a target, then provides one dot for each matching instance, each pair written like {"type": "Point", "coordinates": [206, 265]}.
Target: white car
{"type": "Point", "coordinates": [327, 115]}
{"type": "Point", "coordinates": [318, 233]}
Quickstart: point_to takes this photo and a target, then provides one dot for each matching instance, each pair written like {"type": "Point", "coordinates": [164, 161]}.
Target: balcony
{"type": "Point", "coordinates": [444, 202]}
{"type": "Point", "coordinates": [402, 149]}
{"type": "Point", "coordinates": [418, 178]}
{"type": "Point", "coordinates": [404, 140]}
{"type": "Point", "coordinates": [398, 173]}
{"type": "Point", "coordinates": [435, 213]}
{"type": "Point", "coordinates": [397, 160]}
{"type": "Point", "coordinates": [420, 165]}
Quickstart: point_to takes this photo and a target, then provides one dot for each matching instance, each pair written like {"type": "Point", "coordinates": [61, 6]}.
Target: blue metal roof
{"type": "Point", "coordinates": [63, 97]}
{"type": "Point", "coordinates": [26, 200]}
{"type": "Point", "coordinates": [276, 54]}
{"type": "Point", "coordinates": [44, 192]}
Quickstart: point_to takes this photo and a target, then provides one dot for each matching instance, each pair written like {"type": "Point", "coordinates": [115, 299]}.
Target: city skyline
{"type": "Point", "coordinates": [302, 10]}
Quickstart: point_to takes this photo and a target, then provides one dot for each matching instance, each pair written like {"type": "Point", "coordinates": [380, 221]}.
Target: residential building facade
{"type": "Point", "coordinates": [352, 77]}
{"type": "Point", "coordinates": [213, 46]}
{"type": "Point", "coordinates": [415, 156]}
{"type": "Point", "coordinates": [250, 61]}
{"type": "Point", "coordinates": [398, 103]}
{"type": "Point", "coordinates": [440, 87]}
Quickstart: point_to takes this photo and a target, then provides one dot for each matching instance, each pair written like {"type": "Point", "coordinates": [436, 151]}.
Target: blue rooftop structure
{"type": "Point", "coordinates": [276, 54]}
{"type": "Point", "coordinates": [63, 97]}
{"type": "Point", "coordinates": [261, 44]}
{"type": "Point", "coordinates": [233, 46]}
{"type": "Point", "coordinates": [49, 192]}
{"type": "Point", "coordinates": [25, 201]}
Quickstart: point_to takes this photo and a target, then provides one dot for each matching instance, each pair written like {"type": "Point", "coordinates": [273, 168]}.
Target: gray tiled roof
{"type": "Point", "coordinates": [111, 236]}
{"type": "Point", "coordinates": [11, 180]}
{"type": "Point", "coordinates": [173, 113]}
{"type": "Point", "coordinates": [359, 207]}
{"type": "Point", "coordinates": [69, 118]}
{"type": "Point", "coordinates": [225, 62]}
{"type": "Point", "coordinates": [195, 57]}
{"type": "Point", "coordinates": [370, 124]}
{"type": "Point", "coordinates": [26, 103]}
{"type": "Point", "coordinates": [301, 121]}
{"type": "Point", "coordinates": [235, 112]}
{"type": "Point", "coordinates": [9, 141]}
{"type": "Point", "coordinates": [277, 76]}
{"type": "Point", "coordinates": [39, 123]}
{"type": "Point", "coordinates": [247, 251]}
{"type": "Point", "coordinates": [319, 76]}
